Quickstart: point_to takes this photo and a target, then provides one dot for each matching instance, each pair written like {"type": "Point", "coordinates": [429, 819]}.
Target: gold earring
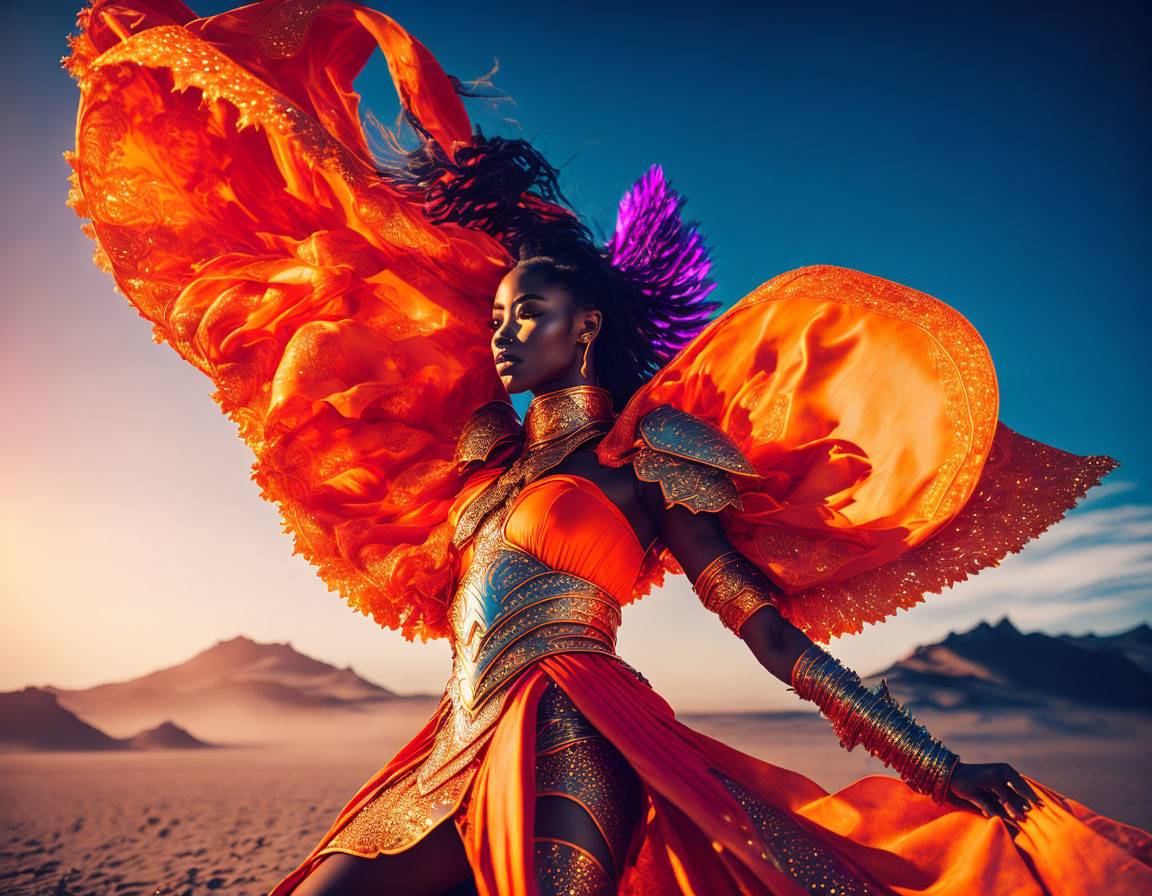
{"type": "Point", "coordinates": [587, 339]}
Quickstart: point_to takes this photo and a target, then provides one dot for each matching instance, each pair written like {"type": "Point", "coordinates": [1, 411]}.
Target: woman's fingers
{"type": "Point", "coordinates": [988, 807]}
{"type": "Point", "coordinates": [1023, 788]}
{"type": "Point", "coordinates": [1012, 802]}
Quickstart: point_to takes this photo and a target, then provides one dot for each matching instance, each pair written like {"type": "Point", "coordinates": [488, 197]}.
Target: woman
{"type": "Point", "coordinates": [820, 455]}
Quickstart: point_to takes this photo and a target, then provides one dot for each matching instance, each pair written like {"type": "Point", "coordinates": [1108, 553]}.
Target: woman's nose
{"type": "Point", "coordinates": [502, 336]}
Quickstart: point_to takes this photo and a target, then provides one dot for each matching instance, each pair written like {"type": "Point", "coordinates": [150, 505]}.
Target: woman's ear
{"type": "Point", "coordinates": [589, 325]}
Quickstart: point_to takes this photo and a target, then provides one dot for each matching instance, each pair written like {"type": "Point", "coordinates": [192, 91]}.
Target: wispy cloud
{"type": "Point", "coordinates": [1090, 572]}
{"type": "Point", "coordinates": [1098, 561]}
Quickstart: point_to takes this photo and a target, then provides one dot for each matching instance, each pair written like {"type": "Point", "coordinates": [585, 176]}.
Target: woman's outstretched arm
{"type": "Point", "coordinates": [743, 597]}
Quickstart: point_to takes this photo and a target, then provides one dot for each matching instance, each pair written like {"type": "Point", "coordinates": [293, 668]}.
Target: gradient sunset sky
{"type": "Point", "coordinates": [992, 155]}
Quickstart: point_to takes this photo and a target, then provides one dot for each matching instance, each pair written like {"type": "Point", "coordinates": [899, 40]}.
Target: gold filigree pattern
{"type": "Point", "coordinates": [671, 431]}
{"type": "Point", "coordinates": [283, 31]}
{"type": "Point", "coordinates": [568, 419]}
{"type": "Point", "coordinates": [458, 740]}
{"type": "Point", "coordinates": [792, 850]}
{"type": "Point", "coordinates": [517, 611]}
{"type": "Point", "coordinates": [398, 817]}
{"type": "Point", "coordinates": [699, 487]}
{"type": "Point", "coordinates": [196, 63]}
{"type": "Point", "coordinates": [769, 416]}
{"type": "Point", "coordinates": [589, 770]}
{"type": "Point", "coordinates": [973, 385]}
{"type": "Point", "coordinates": [734, 588]}
{"type": "Point", "coordinates": [956, 415]}
{"type": "Point", "coordinates": [875, 719]}
{"type": "Point", "coordinates": [555, 415]}
{"type": "Point", "coordinates": [812, 555]}
{"type": "Point", "coordinates": [565, 869]}
{"type": "Point", "coordinates": [357, 261]}
{"type": "Point", "coordinates": [1024, 488]}
{"type": "Point", "coordinates": [468, 723]}
{"type": "Point", "coordinates": [492, 424]}
{"type": "Point", "coordinates": [559, 723]}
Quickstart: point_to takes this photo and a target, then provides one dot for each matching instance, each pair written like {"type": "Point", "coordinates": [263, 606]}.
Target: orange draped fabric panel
{"type": "Point", "coordinates": [697, 840]}
{"type": "Point", "coordinates": [869, 411]}
{"type": "Point", "coordinates": [232, 197]}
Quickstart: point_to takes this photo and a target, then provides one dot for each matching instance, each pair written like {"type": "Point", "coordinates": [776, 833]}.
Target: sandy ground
{"type": "Point", "coordinates": [235, 820]}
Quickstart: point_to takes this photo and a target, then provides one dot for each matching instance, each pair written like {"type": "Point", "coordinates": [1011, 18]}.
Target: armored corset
{"type": "Point", "coordinates": [510, 607]}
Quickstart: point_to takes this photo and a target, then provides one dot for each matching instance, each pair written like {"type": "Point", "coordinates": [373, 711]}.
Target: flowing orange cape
{"type": "Point", "coordinates": [231, 193]}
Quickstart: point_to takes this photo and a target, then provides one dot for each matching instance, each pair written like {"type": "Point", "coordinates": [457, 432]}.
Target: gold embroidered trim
{"type": "Point", "coordinates": [792, 850]}
{"type": "Point", "coordinates": [283, 31]}
{"type": "Point", "coordinates": [733, 588]}
{"type": "Point", "coordinates": [680, 434]}
{"type": "Point", "coordinates": [554, 415]}
{"type": "Point", "coordinates": [491, 424]}
{"type": "Point", "coordinates": [697, 486]}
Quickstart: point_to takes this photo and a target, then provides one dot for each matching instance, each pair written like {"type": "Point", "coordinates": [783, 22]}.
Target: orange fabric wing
{"type": "Point", "coordinates": [869, 411]}
{"type": "Point", "coordinates": [232, 196]}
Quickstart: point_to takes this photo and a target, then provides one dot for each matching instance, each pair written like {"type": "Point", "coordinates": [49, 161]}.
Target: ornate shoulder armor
{"type": "Point", "coordinates": [692, 460]}
{"type": "Point", "coordinates": [492, 424]}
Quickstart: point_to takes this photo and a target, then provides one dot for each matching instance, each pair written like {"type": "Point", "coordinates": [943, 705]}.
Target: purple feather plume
{"type": "Point", "coordinates": [657, 248]}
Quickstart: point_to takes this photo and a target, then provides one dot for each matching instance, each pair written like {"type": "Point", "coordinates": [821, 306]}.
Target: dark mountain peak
{"type": "Point", "coordinates": [166, 736]}
{"type": "Point", "coordinates": [33, 719]}
{"type": "Point", "coordinates": [992, 664]}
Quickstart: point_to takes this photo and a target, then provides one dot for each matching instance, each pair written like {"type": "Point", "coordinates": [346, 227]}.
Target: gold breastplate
{"type": "Point", "coordinates": [510, 609]}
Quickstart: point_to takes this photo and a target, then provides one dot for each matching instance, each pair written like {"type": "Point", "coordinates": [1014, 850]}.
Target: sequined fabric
{"type": "Point", "coordinates": [796, 853]}
{"type": "Point", "coordinates": [231, 194]}
{"type": "Point", "coordinates": [511, 607]}
{"type": "Point", "coordinates": [568, 870]}
{"type": "Point", "coordinates": [576, 762]}
{"type": "Point", "coordinates": [879, 466]}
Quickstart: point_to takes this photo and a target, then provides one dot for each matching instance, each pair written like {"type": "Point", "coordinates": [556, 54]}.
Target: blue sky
{"type": "Point", "coordinates": [992, 155]}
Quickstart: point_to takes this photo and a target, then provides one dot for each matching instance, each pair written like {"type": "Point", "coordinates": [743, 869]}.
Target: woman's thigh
{"type": "Point", "coordinates": [435, 866]}
{"type": "Point", "coordinates": [588, 802]}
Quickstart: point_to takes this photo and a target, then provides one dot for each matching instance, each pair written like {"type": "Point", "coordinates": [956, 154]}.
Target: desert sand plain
{"type": "Point", "coordinates": [127, 821]}
{"type": "Point", "coordinates": [233, 821]}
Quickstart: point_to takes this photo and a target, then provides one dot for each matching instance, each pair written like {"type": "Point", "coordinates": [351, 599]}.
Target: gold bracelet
{"type": "Point", "coordinates": [733, 588]}
{"type": "Point", "coordinates": [875, 719]}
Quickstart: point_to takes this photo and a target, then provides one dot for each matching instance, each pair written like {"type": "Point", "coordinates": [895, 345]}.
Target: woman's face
{"type": "Point", "coordinates": [535, 334]}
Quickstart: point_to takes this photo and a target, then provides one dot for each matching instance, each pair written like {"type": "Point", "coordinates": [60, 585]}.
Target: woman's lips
{"type": "Point", "coordinates": [505, 360]}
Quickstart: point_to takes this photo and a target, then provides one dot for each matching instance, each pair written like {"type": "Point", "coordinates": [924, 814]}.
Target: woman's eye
{"type": "Point", "coordinates": [493, 325]}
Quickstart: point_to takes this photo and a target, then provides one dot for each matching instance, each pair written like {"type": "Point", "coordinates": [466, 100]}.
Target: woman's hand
{"type": "Point", "coordinates": [995, 788]}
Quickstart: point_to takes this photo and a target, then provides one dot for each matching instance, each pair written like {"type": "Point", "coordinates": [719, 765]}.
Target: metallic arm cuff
{"type": "Point", "coordinates": [875, 719]}
{"type": "Point", "coordinates": [733, 588]}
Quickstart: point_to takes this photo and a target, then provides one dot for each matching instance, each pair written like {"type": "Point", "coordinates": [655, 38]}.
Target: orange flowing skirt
{"type": "Point", "coordinates": [897, 841]}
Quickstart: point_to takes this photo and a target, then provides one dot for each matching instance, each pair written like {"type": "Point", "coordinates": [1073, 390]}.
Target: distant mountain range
{"type": "Point", "coordinates": [998, 667]}
{"type": "Point", "coordinates": [33, 719]}
{"type": "Point", "coordinates": [240, 691]}
{"type": "Point", "coordinates": [244, 692]}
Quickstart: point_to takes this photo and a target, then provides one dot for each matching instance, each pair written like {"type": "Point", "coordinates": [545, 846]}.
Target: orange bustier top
{"type": "Point", "coordinates": [551, 580]}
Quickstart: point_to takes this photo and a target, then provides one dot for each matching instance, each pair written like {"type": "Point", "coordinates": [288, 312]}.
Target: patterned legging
{"type": "Point", "coordinates": [588, 802]}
